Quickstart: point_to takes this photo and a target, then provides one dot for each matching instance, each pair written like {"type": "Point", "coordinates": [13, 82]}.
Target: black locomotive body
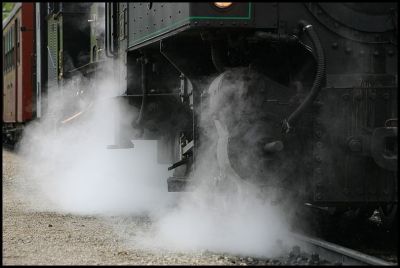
{"type": "Point", "coordinates": [306, 92]}
{"type": "Point", "coordinates": [342, 148]}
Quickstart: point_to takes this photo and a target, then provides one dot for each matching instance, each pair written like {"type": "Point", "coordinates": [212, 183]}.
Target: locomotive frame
{"type": "Point", "coordinates": [343, 144]}
{"type": "Point", "coordinates": [374, 85]}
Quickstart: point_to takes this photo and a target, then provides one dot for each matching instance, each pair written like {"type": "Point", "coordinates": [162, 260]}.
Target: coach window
{"type": "Point", "coordinates": [17, 32]}
{"type": "Point", "coordinates": [7, 50]}
{"type": "Point", "coordinates": [4, 55]}
{"type": "Point", "coordinates": [13, 46]}
{"type": "Point", "coordinates": [10, 48]}
{"type": "Point", "coordinates": [7, 46]}
{"type": "Point", "coordinates": [10, 51]}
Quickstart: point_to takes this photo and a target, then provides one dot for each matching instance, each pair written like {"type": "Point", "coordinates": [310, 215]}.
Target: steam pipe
{"type": "Point", "coordinates": [316, 87]}
{"type": "Point", "coordinates": [109, 29]}
{"type": "Point", "coordinates": [106, 31]}
{"type": "Point", "coordinates": [107, 43]}
{"type": "Point", "coordinates": [113, 17]}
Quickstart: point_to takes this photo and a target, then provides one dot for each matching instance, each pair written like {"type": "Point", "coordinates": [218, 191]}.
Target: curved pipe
{"type": "Point", "coordinates": [316, 87]}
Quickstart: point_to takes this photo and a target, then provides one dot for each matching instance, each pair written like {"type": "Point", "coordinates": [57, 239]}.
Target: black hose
{"type": "Point", "coordinates": [316, 87]}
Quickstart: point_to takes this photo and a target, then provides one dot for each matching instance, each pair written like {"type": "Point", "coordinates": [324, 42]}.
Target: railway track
{"type": "Point", "coordinates": [336, 254]}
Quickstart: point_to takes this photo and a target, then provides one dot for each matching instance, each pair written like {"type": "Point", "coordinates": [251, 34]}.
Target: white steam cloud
{"type": "Point", "coordinates": [71, 168]}
{"type": "Point", "coordinates": [71, 171]}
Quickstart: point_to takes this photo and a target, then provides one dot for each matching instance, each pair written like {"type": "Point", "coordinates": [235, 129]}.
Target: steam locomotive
{"type": "Point", "coordinates": [300, 96]}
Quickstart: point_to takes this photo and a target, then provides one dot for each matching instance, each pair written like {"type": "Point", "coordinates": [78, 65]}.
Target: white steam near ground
{"type": "Point", "coordinates": [70, 170]}
{"type": "Point", "coordinates": [70, 166]}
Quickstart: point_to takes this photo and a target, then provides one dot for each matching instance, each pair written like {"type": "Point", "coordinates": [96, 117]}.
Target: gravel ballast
{"type": "Point", "coordinates": [48, 238]}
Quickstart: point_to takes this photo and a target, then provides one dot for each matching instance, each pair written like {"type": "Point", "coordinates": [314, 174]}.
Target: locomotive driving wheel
{"type": "Point", "coordinates": [249, 141]}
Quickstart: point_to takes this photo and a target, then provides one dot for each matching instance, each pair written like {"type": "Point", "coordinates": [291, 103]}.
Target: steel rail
{"type": "Point", "coordinates": [338, 254]}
